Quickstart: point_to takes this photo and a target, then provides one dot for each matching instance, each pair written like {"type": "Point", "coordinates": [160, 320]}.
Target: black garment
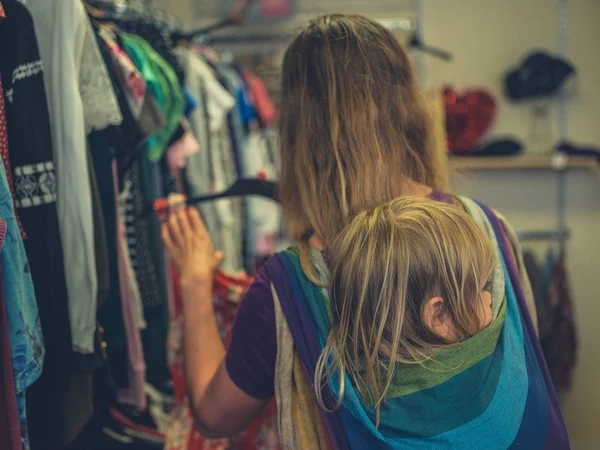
{"type": "Point", "coordinates": [110, 314]}
{"type": "Point", "coordinates": [31, 158]}
{"type": "Point", "coordinates": [138, 240]}
{"type": "Point", "coordinates": [100, 243]}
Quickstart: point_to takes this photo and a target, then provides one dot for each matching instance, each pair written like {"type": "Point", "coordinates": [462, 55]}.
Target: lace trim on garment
{"type": "Point", "coordinates": [100, 105]}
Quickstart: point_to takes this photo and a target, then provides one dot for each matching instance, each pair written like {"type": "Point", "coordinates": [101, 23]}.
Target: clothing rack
{"type": "Point", "coordinates": [544, 235]}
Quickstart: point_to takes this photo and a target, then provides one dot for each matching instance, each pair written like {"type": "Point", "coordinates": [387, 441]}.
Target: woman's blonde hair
{"type": "Point", "coordinates": [353, 126]}
{"type": "Point", "coordinates": [385, 265]}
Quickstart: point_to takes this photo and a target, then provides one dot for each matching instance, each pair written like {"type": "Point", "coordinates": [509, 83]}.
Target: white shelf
{"type": "Point", "coordinates": [533, 162]}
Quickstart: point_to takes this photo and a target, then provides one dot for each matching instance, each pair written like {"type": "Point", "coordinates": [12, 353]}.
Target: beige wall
{"type": "Point", "coordinates": [487, 36]}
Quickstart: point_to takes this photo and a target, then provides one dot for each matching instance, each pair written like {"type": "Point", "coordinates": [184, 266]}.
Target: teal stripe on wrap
{"type": "Point", "coordinates": [313, 296]}
{"type": "Point", "coordinates": [497, 427]}
{"type": "Point", "coordinates": [451, 404]}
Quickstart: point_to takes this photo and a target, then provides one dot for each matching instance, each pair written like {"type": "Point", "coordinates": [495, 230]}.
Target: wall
{"type": "Point", "coordinates": [487, 37]}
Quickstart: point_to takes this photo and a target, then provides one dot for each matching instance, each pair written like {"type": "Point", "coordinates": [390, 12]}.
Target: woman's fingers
{"type": "Point", "coordinates": [168, 241]}
{"type": "Point", "coordinates": [184, 224]}
{"type": "Point", "coordinates": [175, 230]}
{"type": "Point", "coordinates": [196, 222]}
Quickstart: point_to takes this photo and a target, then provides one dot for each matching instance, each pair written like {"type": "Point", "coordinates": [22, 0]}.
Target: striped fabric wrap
{"type": "Point", "coordinates": [492, 391]}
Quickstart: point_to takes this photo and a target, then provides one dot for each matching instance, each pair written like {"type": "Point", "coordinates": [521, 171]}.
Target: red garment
{"type": "Point", "coordinates": [265, 109]}
{"type": "Point", "coordinates": [4, 152]}
{"type": "Point", "coordinates": [10, 430]}
{"type": "Point", "coordinates": [2, 13]}
{"type": "Point", "coordinates": [262, 434]}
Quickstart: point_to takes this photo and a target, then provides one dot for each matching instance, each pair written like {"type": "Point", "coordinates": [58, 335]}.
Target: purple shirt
{"type": "Point", "coordinates": [253, 349]}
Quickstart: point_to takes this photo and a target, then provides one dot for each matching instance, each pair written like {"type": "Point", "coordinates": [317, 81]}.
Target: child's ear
{"type": "Point", "coordinates": [436, 318]}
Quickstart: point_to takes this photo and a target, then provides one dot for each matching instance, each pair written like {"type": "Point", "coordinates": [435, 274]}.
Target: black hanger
{"type": "Point", "coordinates": [416, 43]}
{"type": "Point", "coordinates": [241, 188]}
{"type": "Point", "coordinates": [236, 18]}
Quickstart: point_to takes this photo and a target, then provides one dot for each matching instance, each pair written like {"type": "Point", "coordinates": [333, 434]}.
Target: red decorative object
{"type": "Point", "coordinates": [275, 8]}
{"type": "Point", "coordinates": [469, 116]}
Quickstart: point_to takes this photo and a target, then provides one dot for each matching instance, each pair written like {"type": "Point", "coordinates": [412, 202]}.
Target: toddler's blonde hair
{"type": "Point", "coordinates": [385, 265]}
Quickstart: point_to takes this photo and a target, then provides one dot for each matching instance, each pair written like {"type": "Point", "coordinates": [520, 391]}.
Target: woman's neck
{"type": "Point", "coordinates": [410, 187]}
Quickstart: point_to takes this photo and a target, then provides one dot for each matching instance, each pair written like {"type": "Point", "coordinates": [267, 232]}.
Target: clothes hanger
{"type": "Point", "coordinates": [241, 188]}
{"type": "Point", "coordinates": [236, 18]}
{"type": "Point", "coordinates": [417, 43]}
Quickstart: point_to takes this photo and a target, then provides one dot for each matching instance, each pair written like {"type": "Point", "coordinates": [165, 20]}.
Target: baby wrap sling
{"type": "Point", "coordinates": [492, 391]}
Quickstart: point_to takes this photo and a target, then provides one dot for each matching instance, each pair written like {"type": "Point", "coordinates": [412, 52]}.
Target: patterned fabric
{"type": "Point", "coordinates": [138, 241]}
{"type": "Point", "coordinates": [130, 75]}
{"type": "Point", "coordinates": [24, 326]}
{"type": "Point", "coordinates": [181, 435]}
{"type": "Point", "coordinates": [35, 185]}
{"type": "Point", "coordinates": [5, 157]}
{"type": "Point", "coordinates": [10, 438]}
{"type": "Point", "coordinates": [159, 37]}
{"type": "Point", "coordinates": [162, 82]}
{"type": "Point", "coordinates": [436, 409]}
{"type": "Point", "coordinates": [134, 394]}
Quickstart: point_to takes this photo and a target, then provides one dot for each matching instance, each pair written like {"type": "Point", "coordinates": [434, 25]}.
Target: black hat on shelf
{"type": "Point", "coordinates": [540, 75]}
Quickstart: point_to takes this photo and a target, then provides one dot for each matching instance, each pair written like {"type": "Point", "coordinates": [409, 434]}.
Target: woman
{"type": "Point", "coordinates": [355, 134]}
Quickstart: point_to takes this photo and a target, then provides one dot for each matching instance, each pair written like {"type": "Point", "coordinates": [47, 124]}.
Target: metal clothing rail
{"type": "Point", "coordinates": [544, 235]}
{"type": "Point", "coordinates": [283, 36]}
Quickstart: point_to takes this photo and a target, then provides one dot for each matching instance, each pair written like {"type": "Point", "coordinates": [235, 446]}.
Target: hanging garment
{"type": "Point", "coordinates": [263, 216]}
{"type": "Point", "coordinates": [425, 408]}
{"type": "Point", "coordinates": [544, 310]}
{"type": "Point", "coordinates": [159, 36]}
{"type": "Point", "coordinates": [141, 115]}
{"type": "Point", "coordinates": [27, 345]}
{"type": "Point", "coordinates": [138, 240]}
{"type": "Point", "coordinates": [134, 394]}
{"type": "Point", "coordinates": [155, 336]}
{"type": "Point", "coordinates": [560, 345]}
{"type": "Point", "coordinates": [181, 433]}
{"type": "Point", "coordinates": [58, 412]}
{"type": "Point", "coordinates": [262, 100]}
{"type": "Point", "coordinates": [10, 438]}
{"type": "Point", "coordinates": [162, 82]}
{"type": "Point", "coordinates": [110, 315]}
{"type": "Point", "coordinates": [212, 97]}
{"type": "Point", "coordinates": [130, 273]}
{"type": "Point", "coordinates": [180, 151]}
{"type": "Point", "coordinates": [81, 99]}
{"type": "Point", "coordinates": [128, 73]}
{"type": "Point", "coordinates": [30, 158]}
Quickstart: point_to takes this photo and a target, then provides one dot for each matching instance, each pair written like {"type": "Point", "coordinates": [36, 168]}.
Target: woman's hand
{"type": "Point", "coordinates": [190, 247]}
